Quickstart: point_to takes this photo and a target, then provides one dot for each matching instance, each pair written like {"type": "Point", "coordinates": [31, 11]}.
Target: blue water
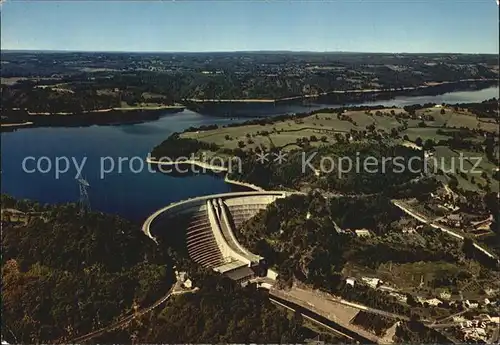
{"type": "Point", "coordinates": [131, 195]}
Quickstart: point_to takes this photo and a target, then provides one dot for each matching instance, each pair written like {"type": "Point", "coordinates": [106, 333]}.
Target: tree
{"type": "Point", "coordinates": [468, 247]}
{"type": "Point", "coordinates": [429, 144]}
{"type": "Point", "coordinates": [453, 184]}
{"type": "Point", "coordinates": [442, 112]}
{"type": "Point", "coordinates": [492, 204]}
{"type": "Point", "coordinates": [338, 137]}
{"type": "Point", "coordinates": [418, 141]}
{"type": "Point", "coordinates": [394, 133]}
{"type": "Point", "coordinates": [241, 144]}
{"type": "Point", "coordinates": [411, 301]}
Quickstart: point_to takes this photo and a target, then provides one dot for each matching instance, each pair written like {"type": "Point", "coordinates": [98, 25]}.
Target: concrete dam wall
{"type": "Point", "coordinates": [208, 228]}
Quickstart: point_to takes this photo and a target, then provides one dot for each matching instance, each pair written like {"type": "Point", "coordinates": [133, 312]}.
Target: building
{"type": "Point", "coordinates": [445, 295]}
{"type": "Point", "coordinates": [181, 276]}
{"type": "Point", "coordinates": [350, 281]}
{"type": "Point", "coordinates": [372, 282]}
{"type": "Point", "coordinates": [399, 296]}
{"type": "Point", "coordinates": [362, 233]}
{"type": "Point", "coordinates": [434, 301]}
{"type": "Point", "coordinates": [475, 333]}
{"type": "Point", "coordinates": [271, 274]}
{"type": "Point", "coordinates": [188, 284]}
{"type": "Point", "coordinates": [471, 304]}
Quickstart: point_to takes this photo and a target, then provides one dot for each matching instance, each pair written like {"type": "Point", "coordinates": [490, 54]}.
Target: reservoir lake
{"type": "Point", "coordinates": [126, 193]}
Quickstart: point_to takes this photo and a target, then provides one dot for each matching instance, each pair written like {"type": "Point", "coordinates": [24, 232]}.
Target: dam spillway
{"type": "Point", "coordinates": [206, 225]}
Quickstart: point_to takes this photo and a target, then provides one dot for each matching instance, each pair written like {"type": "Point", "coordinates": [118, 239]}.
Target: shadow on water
{"type": "Point", "coordinates": [185, 170]}
{"type": "Point", "coordinates": [127, 193]}
{"type": "Point", "coordinates": [190, 170]}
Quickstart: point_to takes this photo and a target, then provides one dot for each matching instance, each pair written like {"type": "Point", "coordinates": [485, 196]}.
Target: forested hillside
{"type": "Point", "coordinates": [305, 239]}
{"type": "Point", "coordinates": [220, 312]}
{"type": "Point", "coordinates": [65, 275]}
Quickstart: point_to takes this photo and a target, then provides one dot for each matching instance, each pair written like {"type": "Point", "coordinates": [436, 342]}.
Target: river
{"type": "Point", "coordinates": [126, 193]}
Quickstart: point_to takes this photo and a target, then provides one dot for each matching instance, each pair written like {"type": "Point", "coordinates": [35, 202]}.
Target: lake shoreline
{"type": "Point", "coordinates": [227, 108]}
{"type": "Point", "coordinates": [151, 191]}
{"type": "Point", "coordinates": [342, 97]}
{"type": "Point", "coordinates": [212, 168]}
{"type": "Point", "coordinates": [115, 116]}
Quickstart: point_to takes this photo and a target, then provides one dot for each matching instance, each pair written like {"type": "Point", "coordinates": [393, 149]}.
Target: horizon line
{"type": "Point", "coordinates": [237, 51]}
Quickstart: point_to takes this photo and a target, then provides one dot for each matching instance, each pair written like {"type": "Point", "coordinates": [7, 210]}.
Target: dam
{"type": "Point", "coordinates": [208, 224]}
{"type": "Point", "coordinates": [206, 227]}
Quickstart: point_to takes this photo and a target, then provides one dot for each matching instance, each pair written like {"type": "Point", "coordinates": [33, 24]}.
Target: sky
{"type": "Point", "coordinates": [411, 26]}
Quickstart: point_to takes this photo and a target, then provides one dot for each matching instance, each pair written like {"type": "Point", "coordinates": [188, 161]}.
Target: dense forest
{"type": "Point", "coordinates": [174, 147]}
{"type": "Point", "coordinates": [220, 312]}
{"type": "Point", "coordinates": [300, 237]}
{"type": "Point", "coordinates": [373, 322]}
{"type": "Point", "coordinates": [323, 170]}
{"type": "Point", "coordinates": [75, 82]}
{"type": "Point", "coordinates": [414, 332]}
{"type": "Point", "coordinates": [65, 274]}
{"type": "Point", "coordinates": [333, 168]}
{"type": "Point", "coordinates": [26, 96]}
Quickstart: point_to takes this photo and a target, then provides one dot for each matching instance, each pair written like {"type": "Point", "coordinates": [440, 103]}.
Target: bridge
{"type": "Point", "coordinates": [209, 223]}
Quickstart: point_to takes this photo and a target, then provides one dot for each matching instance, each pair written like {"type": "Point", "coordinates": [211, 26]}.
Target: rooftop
{"type": "Point", "coordinates": [230, 266]}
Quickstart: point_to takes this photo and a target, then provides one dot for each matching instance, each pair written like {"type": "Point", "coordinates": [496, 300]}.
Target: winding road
{"type": "Point", "coordinates": [443, 228]}
{"type": "Point", "coordinates": [174, 290]}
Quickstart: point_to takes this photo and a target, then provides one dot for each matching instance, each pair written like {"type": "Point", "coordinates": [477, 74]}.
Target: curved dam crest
{"type": "Point", "coordinates": [209, 231]}
{"type": "Point", "coordinates": [208, 224]}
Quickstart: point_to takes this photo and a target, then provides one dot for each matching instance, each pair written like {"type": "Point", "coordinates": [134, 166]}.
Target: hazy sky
{"type": "Point", "coordinates": [469, 26]}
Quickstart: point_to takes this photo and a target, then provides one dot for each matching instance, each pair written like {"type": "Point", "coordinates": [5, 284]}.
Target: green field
{"type": "Point", "coordinates": [279, 134]}
{"type": "Point", "coordinates": [450, 160]}
{"type": "Point", "coordinates": [285, 134]}
{"type": "Point", "coordinates": [424, 134]}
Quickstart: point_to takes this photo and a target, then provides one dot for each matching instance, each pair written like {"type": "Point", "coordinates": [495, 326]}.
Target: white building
{"type": "Point", "coordinates": [471, 304]}
{"type": "Point", "coordinates": [362, 233]}
{"type": "Point", "coordinates": [350, 281]}
{"type": "Point", "coordinates": [272, 274]}
{"type": "Point", "coordinates": [434, 301]}
{"type": "Point", "coordinates": [188, 284]}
